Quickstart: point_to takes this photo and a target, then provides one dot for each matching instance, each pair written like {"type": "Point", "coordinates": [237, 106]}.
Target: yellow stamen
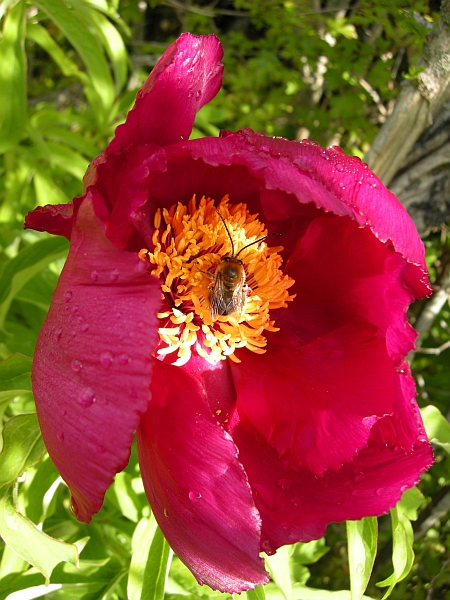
{"type": "Point", "coordinates": [189, 243]}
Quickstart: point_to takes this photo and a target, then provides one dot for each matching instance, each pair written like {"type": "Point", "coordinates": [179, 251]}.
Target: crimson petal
{"type": "Point", "coordinates": [296, 505]}
{"type": "Point", "coordinates": [91, 369]}
{"type": "Point", "coordinates": [299, 397]}
{"type": "Point", "coordinates": [187, 76]}
{"type": "Point", "coordinates": [196, 486]}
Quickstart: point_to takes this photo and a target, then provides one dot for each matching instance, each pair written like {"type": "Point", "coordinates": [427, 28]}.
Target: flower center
{"type": "Point", "coordinates": [219, 280]}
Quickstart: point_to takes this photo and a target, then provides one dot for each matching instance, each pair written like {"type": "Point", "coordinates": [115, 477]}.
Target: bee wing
{"type": "Point", "coordinates": [217, 300]}
{"type": "Point", "coordinates": [222, 302]}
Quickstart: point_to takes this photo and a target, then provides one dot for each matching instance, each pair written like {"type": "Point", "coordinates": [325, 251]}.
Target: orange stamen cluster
{"type": "Point", "coordinates": [189, 242]}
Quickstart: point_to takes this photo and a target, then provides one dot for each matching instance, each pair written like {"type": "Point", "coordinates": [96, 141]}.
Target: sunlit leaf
{"type": "Point", "coordinates": [86, 44]}
{"type": "Point", "coordinates": [22, 448]}
{"type": "Point", "coordinates": [26, 265]}
{"type": "Point", "coordinates": [157, 568]}
{"type": "Point", "coordinates": [278, 566]}
{"type": "Point", "coordinates": [437, 427]}
{"type": "Point", "coordinates": [14, 377]}
{"type": "Point", "coordinates": [12, 78]}
{"type": "Point", "coordinates": [362, 549]}
{"type": "Point", "coordinates": [141, 542]}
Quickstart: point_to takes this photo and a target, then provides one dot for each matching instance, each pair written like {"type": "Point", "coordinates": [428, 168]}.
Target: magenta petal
{"type": "Point", "coordinates": [91, 370]}
{"type": "Point", "coordinates": [196, 486]}
{"type": "Point", "coordinates": [187, 76]}
{"type": "Point", "coordinates": [54, 218]}
{"type": "Point", "coordinates": [296, 505]}
{"type": "Point", "coordinates": [301, 397]}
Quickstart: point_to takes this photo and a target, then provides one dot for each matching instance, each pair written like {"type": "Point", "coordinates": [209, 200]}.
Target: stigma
{"type": "Point", "coordinates": [220, 281]}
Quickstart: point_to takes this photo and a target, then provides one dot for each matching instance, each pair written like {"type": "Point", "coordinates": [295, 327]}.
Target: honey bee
{"type": "Point", "coordinates": [228, 293]}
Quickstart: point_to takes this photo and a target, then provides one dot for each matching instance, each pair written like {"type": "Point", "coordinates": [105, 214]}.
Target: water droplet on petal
{"type": "Point", "coordinates": [342, 185]}
{"type": "Point", "coordinates": [124, 359]}
{"type": "Point", "coordinates": [106, 359]}
{"type": "Point", "coordinates": [114, 275]}
{"type": "Point", "coordinates": [339, 167]}
{"type": "Point", "coordinates": [86, 398]}
{"type": "Point", "coordinates": [76, 366]}
{"type": "Point", "coordinates": [94, 275]}
{"type": "Point", "coordinates": [67, 296]}
{"type": "Point", "coordinates": [267, 547]}
{"type": "Point", "coordinates": [285, 484]}
{"type": "Point", "coordinates": [166, 512]}
{"type": "Point", "coordinates": [58, 334]}
{"type": "Point", "coordinates": [360, 569]}
{"type": "Point", "coordinates": [194, 496]}
{"type": "Point", "coordinates": [296, 501]}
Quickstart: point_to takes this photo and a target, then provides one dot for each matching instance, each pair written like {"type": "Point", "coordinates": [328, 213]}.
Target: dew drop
{"type": "Point", "coordinates": [342, 185]}
{"type": "Point", "coordinates": [339, 167]}
{"type": "Point", "coordinates": [76, 366]}
{"type": "Point", "coordinates": [296, 501]}
{"type": "Point", "coordinates": [360, 569]}
{"type": "Point", "coordinates": [267, 547]}
{"type": "Point", "coordinates": [285, 484]}
{"type": "Point", "coordinates": [166, 512]}
{"type": "Point", "coordinates": [94, 275]}
{"type": "Point", "coordinates": [58, 334]}
{"type": "Point", "coordinates": [194, 496]}
{"type": "Point", "coordinates": [114, 275]}
{"type": "Point", "coordinates": [198, 94]}
{"type": "Point", "coordinates": [86, 398]}
{"type": "Point", "coordinates": [106, 359]}
{"type": "Point", "coordinates": [67, 296]}
{"type": "Point", "coordinates": [124, 359]}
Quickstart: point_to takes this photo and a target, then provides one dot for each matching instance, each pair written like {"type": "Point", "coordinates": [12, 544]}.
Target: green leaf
{"type": "Point", "coordinates": [31, 544]}
{"type": "Point", "coordinates": [140, 545]}
{"type": "Point", "coordinates": [12, 78]}
{"type": "Point", "coordinates": [256, 594]}
{"type": "Point", "coordinates": [22, 448]}
{"type": "Point", "coordinates": [26, 265]}
{"type": "Point", "coordinates": [437, 427]}
{"type": "Point", "coordinates": [14, 377]}
{"type": "Point", "coordinates": [157, 568]}
{"type": "Point", "coordinates": [302, 592]}
{"type": "Point", "coordinates": [87, 46]}
{"type": "Point", "coordinates": [402, 552]}
{"type": "Point", "coordinates": [40, 36]}
{"type": "Point", "coordinates": [278, 566]}
{"type": "Point", "coordinates": [362, 549]}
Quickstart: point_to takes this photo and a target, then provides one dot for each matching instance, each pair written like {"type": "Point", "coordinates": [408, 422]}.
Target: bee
{"type": "Point", "coordinates": [228, 293]}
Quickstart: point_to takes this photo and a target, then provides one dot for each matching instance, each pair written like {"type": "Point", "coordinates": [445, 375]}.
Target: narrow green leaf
{"type": "Point", "coordinates": [140, 545]}
{"type": "Point", "coordinates": [86, 44]}
{"type": "Point", "coordinates": [31, 544]}
{"type": "Point", "coordinates": [22, 448]}
{"type": "Point", "coordinates": [47, 192]}
{"type": "Point", "coordinates": [67, 160]}
{"type": "Point", "coordinates": [278, 565]}
{"type": "Point", "coordinates": [437, 427]}
{"type": "Point", "coordinates": [157, 568]}
{"type": "Point", "coordinates": [257, 594]}
{"type": "Point", "coordinates": [402, 551]}
{"type": "Point", "coordinates": [362, 548]}
{"type": "Point", "coordinates": [26, 265]}
{"type": "Point", "coordinates": [41, 36]}
{"type": "Point", "coordinates": [12, 78]}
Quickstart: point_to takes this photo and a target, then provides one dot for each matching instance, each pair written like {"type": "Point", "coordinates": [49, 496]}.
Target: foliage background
{"type": "Point", "coordinates": [329, 70]}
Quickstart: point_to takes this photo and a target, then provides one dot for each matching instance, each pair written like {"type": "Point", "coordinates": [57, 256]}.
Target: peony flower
{"type": "Point", "coordinates": [266, 378]}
